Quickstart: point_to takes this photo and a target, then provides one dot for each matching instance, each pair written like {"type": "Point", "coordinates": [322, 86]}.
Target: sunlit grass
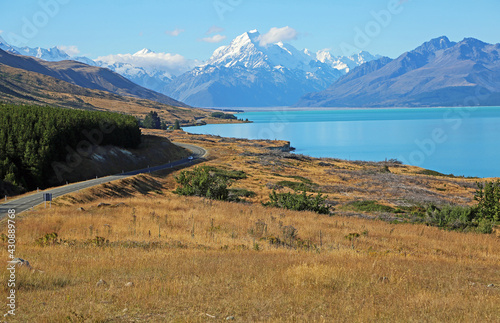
{"type": "Point", "coordinates": [192, 259]}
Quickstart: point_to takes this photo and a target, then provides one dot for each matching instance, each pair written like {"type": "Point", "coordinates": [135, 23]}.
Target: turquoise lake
{"type": "Point", "coordinates": [459, 141]}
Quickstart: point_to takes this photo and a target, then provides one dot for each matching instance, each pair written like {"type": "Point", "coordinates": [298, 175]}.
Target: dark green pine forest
{"type": "Point", "coordinates": [33, 139]}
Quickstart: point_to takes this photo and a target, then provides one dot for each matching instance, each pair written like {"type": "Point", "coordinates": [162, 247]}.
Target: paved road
{"type": "Point", "coordinates": [25, 203]}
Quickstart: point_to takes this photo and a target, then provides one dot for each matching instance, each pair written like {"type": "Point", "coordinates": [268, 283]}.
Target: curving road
{"type": "Point", "coordinates": [25, 203]}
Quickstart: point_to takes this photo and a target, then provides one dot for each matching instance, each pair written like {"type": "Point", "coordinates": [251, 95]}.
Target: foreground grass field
{"type": "Point", "coordinates": [163, 257]}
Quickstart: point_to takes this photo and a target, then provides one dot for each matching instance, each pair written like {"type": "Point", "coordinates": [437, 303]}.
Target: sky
{"type": "Point", "coordinates": [193, 29]}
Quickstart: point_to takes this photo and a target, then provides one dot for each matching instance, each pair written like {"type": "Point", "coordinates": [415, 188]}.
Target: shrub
{"type": "Point", "coordinates": [47, 240]}
{"type": "Point", "coordinates": [203, 182]}
{"type": "Point", "coordinates": [296, 186]}
{"type": "Point", "coordinates": [488, 197]}
{"type": "Point", "coordinates": [298, 202]}
{"type": "Point", "coordinates": [241, 192]}
{"type": "Point", "coordinates": [371, 206]}
{"type": "Point", "coordinates": [227, 173]}
{"type": "Point", "coordinates": [454, 217]}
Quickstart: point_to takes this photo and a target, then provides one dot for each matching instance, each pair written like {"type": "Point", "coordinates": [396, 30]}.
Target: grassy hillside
{"type": "Point", "coordinates": [19, 86]}
{"type": "Point", "coordinates": [90, 77]}
{"type": "Point", "coordinates": [165, 257]}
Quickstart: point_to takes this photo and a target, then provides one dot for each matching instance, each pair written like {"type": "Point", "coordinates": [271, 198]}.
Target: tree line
{"type": "Point", "coordinates": [32, 138]}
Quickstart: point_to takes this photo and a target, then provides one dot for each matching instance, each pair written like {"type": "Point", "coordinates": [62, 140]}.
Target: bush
{"type": "Point", "coordinates": [227, 173]}
{"type": "Point", "coordinates": [241, 192]}
{"type": "Point", "coordinates": [371, 206]}
{"type": "Point", "coordinates": [488, 197]}
{"type": "Point", "coordinates": [298, 202]}
{"type": "Point", "coordinates": [203, 182]}
{"type": "Point", "coordinates": [452, 217]}
{"type": "Point", "coordinates": [296, 186]}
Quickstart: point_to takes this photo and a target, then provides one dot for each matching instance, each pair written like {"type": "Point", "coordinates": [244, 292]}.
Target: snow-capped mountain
{"type": "Point", "coordinates": [53, 54]}
{"type": "Point", "coordinates": [148, 68]}
{"type": "Point", "coordinates": [246, 73]}
{"type": "Point", "coordinates": [440, 72]}
{"type": "Point", "coordinates": [345, 63]}
{"type": "Point", "coordinates": [153, 80]}
{"type": "Point", "coordinates": [6, 47]}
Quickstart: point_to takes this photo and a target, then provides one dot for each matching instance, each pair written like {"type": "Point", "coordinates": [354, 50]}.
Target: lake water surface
{"type": "Point", "coordinates": [460, 141]}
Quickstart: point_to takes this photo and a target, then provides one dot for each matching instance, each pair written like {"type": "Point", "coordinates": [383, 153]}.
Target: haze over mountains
{"type": "Point", "coordinates": [438, 73]}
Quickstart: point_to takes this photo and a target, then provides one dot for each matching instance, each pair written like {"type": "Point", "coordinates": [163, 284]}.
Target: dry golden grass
{"type": "Point", "coordinates": [192, 259]}
{"type": "Point", "coordinates": [205, 261]}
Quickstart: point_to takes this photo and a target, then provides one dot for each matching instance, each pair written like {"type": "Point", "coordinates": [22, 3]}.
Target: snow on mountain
{"type": "Point", "coordinates": [245, 50]}
{"type": "Point", "coordinates": [345, 63]}
{"type": "Point", "coordinates": [165, 65]}
{"type": "Point", "coordinates": [247, 73]}
{"type": "Point", "coordinates": [53, 54]}
{"type": "Point", "coordinates": [437, 73]}
{"type": "Point", "coordinates": [148, 68]}
{"type": "Point", "coordinates": [6, 47]}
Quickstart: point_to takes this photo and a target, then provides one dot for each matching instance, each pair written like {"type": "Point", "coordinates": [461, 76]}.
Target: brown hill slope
{"type": "Point", "coordinates": [20, 86]}
{"type": "Point", "coordinates": [87, 76]}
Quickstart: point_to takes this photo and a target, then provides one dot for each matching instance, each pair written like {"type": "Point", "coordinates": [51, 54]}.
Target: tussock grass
{"type": "Point", "coordinates": [204, 261]}
{"type": "Point", "coordinates": [190, 258]}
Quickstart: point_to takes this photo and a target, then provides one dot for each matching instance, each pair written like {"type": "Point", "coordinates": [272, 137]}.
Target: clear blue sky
{"type": "Point", "coordinates": [102, 27]}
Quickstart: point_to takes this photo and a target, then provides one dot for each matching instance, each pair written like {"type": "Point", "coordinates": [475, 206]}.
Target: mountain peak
{"type": "Point", "coordinates": [473, 42]}
{"type": "Point", "coordinates": [144, 51]}
{"type": "Point", "coordinates": [6, 47]}
{"type": "Point", "coordinates": [434, 45]}
{"type": "Point", "coordinates": [251, 36]}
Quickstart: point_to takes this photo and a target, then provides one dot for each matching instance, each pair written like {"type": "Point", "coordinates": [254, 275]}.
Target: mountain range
{"type": "Point", "coordinates": [30, 83]}
{"type": "Point", "coordinates": [248, 73]}
{"type": "Point", "coordinates": [244, 73]}
{"type": "Point", "coordinates": [437, 73]}
{"type": "Point", "coordinates": [87, 76]}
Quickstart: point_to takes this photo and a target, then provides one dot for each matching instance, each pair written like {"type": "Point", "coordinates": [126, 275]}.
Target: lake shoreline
{"type": "Point", "coordinates": [285, 108]}
{"type": "Point", "coordinates": [458, 140]}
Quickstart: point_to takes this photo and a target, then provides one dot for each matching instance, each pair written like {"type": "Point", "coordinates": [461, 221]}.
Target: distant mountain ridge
{"type": "Point", "coordinates": [437, 73]}
{"type": "Point", "coordinates": [20, 86]}
{"type": "Point", "coordinates": [53, 54]}
{"type": "Point", "coordinates": [91, 77]}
